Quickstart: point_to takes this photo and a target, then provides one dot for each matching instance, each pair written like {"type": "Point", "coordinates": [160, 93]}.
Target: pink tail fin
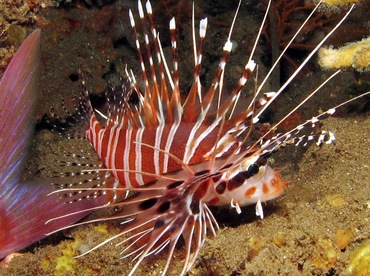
{"type": "Point", "coordinates": [25, 206]}
{"type": "Point", "coordinates": [18, 95]}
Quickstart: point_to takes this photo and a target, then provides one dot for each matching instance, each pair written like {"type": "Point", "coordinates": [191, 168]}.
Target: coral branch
{"type": "Point", "coordinates": [339, 3]}
{"type": "Point", "coordinates": [355, 54]}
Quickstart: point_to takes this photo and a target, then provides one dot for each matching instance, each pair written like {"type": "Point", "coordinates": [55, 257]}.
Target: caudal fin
{"type": "Point", "coordinates": [25, 210]}
{"type": "Point", "coordinates": [25, 206]}
{"type": "Point", "coordinates": [18, 96]}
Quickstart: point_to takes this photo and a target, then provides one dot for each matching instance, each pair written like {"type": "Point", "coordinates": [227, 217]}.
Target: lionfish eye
{"type": "Point", "coordinates": [253, 169]}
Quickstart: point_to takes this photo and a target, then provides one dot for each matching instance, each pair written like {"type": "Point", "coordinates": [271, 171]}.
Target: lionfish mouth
{"type": "Point", "coordinates": [181, 156]}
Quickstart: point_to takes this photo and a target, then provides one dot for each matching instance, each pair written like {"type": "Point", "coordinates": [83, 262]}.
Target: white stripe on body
{"type": "Point", "coordinates": [126, 158]}
{"type": "Point", "coordinates": [112, 145]}
{"type": "Point", "coordinates": [167, 148]}
{"type": "Point", "coordinates": [138, 156]}
{"type": "Point", "coordinates": [157, 145]}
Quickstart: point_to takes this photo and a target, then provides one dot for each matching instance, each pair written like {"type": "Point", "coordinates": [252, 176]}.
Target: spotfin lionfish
{"type": "Point", "coordinates": [181, 156]}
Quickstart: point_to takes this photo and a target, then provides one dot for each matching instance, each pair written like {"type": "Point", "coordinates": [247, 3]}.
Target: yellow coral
{"type": "Point", "coordinates": [356, 55]}
{"type": "Point", "coordinates": [339, 2]}
{"type": "Point", "coordinates": [343, 237]}
{"type": "Point", "coordinates": [102, 228]}
{"type": "Point", "coordinates": [335, 200]}
{"type": "Point", "coordinates": [327, 255]}
{"type": "Point", "coordinates": [66, 262]}
{"type": "Point", "coordinates": [360, 261]}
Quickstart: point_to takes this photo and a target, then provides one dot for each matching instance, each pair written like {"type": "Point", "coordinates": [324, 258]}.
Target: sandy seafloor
{"type": "Point", "coordinates": [314, 229]}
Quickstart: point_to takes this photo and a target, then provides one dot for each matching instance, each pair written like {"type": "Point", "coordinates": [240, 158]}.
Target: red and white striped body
{"type": "Point", "coordinates": [125, 149]}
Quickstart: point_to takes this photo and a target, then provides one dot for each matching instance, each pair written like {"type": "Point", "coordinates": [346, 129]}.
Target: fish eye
{"type": "Point", "coordinates": [253, 169]}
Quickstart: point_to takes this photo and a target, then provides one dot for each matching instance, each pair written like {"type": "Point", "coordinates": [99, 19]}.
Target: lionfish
{"type": "Point", "coordinates": [181, 156]}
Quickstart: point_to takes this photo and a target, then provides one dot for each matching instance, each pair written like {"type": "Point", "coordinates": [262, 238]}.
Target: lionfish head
{"type": "Point", "coordinates": [248, 183]}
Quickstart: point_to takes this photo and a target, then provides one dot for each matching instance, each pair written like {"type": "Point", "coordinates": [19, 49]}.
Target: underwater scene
{"type": "Point", "coordinates": [61, 131]}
